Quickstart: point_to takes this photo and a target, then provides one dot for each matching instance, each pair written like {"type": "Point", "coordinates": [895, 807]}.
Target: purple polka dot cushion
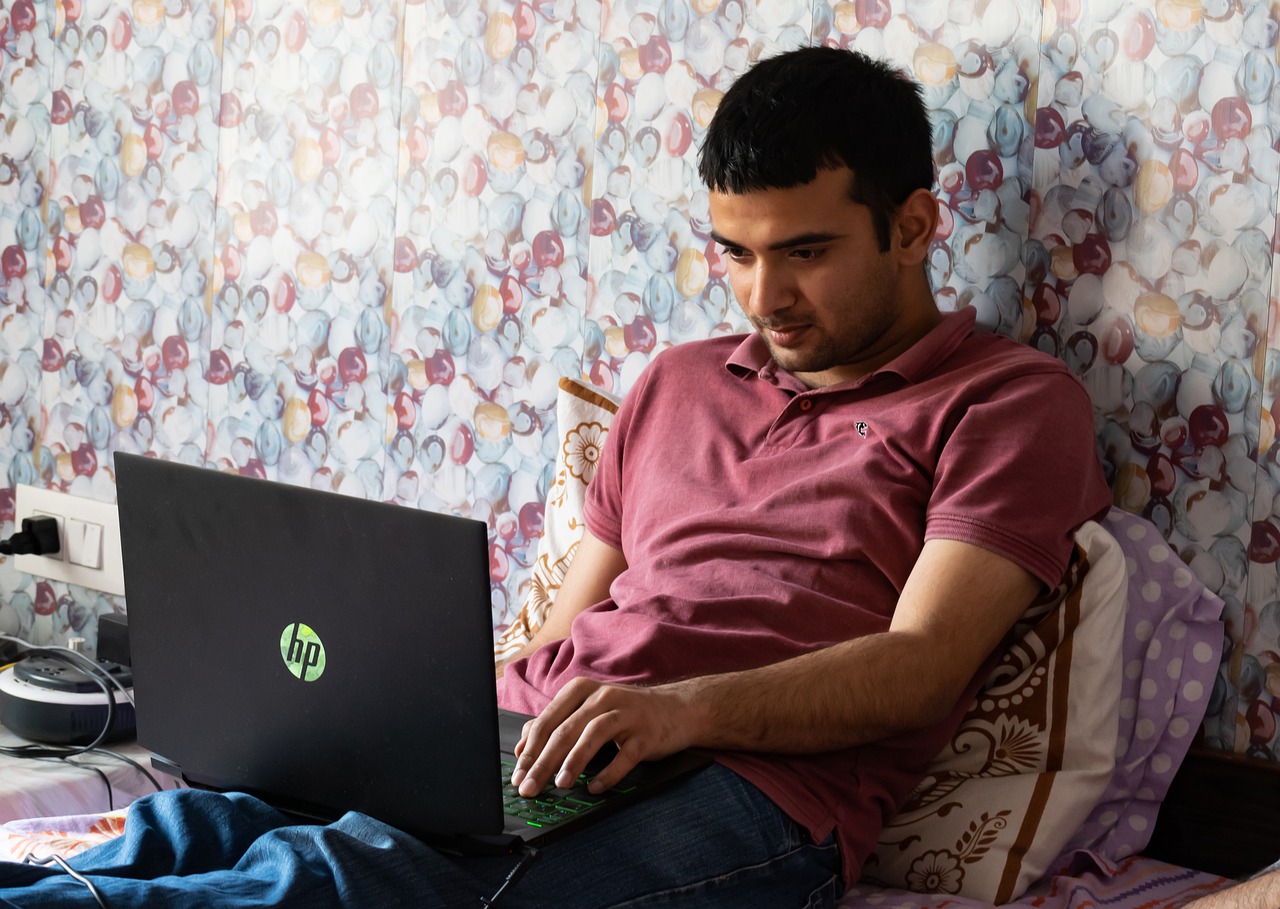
{"type": "Point", "coordinates": [1171, 650]}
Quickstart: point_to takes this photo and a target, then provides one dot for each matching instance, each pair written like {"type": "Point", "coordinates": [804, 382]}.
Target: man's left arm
{"type": "Point", "coordinates": [957, 605]}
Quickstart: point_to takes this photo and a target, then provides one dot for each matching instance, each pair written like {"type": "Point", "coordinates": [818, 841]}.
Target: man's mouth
{"type": "Point", "coordinates": [785, 335]}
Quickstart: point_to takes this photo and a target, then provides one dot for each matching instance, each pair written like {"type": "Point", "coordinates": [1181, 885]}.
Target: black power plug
{"type": "Point", "coordinates": [39, 536]}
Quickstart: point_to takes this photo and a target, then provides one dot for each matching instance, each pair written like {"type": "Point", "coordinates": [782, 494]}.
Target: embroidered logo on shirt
{"type": "Point", "coordinates": [861, 427]}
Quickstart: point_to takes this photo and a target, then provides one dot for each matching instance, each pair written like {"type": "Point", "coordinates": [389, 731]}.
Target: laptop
{"type": "Point", "coordinates": [327, 653]}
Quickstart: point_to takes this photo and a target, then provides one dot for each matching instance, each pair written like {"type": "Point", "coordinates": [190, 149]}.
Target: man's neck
{"type": "Point", "coordinates": [921, 319]}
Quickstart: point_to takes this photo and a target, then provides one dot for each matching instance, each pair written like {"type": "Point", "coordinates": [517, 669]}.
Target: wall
{"type": "Point", "coordinates": [355, 244]}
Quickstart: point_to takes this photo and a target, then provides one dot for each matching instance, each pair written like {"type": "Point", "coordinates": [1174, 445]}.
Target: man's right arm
{"type": "Point", "coordinates": [1262, 891]}
{"type": "Point", "coordinates": [595, 564]}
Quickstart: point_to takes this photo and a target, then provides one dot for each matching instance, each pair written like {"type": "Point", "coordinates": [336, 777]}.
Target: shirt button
{"type": "Point", "coordinates": [806, 404]}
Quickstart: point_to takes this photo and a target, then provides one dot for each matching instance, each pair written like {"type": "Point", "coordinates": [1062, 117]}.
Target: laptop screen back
{"type": "Point", "coordinates": [324, 652]}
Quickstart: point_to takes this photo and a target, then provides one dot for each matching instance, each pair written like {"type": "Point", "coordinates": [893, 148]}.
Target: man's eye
{"type": "Point", "coordinates": [736, 253]}
{"type": "Point", "coordinates": [807, 254]}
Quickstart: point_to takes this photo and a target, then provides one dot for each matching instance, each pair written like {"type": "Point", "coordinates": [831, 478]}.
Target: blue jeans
{"type": "Point", "coordinates": [712, 841]}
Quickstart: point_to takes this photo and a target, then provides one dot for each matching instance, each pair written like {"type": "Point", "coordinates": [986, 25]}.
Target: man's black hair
{"type": "Point", "coordinates": [806, 110]}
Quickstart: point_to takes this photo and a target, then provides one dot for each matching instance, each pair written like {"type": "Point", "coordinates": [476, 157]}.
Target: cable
{"type": "Point", "coordinates": [95, 673]}
{"type": "Point", "coordinates": [128, 760]}
{"type": "Point", "coordinates": [54, 753]}
{"type": "Point", "coordinates": [98, 676]}
{"type": "Point", "coordinates": [39, 536]}
{"type": "Point", "coordinates": [86, 665]}
{"type": "Point", "coordinates": [76, 875]}
{"type": "Point", "coordinates": [520, 868]}
{"type": "Point", "coordinates": [57, 751]}
{"type": "Point", "coordinates": [111, 793]}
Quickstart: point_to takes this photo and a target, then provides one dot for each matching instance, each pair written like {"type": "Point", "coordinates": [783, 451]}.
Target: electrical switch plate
{"type": "Point", "coordinates": [77, 517]}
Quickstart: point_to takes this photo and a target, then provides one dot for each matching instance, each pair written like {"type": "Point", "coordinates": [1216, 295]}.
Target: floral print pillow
{"type": "Point", "coordinates": [583, 415]}
{"type": "Point", "coordinates": [1034, 754]}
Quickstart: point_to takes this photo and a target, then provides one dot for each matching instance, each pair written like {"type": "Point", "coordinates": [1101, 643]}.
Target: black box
{"type": "Point", "coordinates": [113, 638]}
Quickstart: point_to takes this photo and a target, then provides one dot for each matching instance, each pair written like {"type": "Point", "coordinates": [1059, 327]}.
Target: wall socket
{"type": "Point", "coordinates": [89, 532]}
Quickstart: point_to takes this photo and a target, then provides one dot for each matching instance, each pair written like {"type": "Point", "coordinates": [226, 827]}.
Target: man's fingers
{"type": "Point", "coordinates": [614, 771]}
{"type": "Point", "coordinates": [547, 739]}
{"type": "Point", "coordinates": [550, 762]}
{"type": "Point", "coordinates": [536, 761]}
{"type": "Point", "coordinates": [598, 732]}
{"type": "Point", "coordinates": [582, 719]}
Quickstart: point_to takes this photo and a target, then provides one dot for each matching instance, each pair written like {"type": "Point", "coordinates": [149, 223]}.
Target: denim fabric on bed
{"type": "Point", "coordinates": [189, 849]}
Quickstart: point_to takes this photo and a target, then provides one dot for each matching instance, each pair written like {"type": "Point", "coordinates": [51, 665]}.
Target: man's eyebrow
{"type": "Point", "coordinates": [814, 238]}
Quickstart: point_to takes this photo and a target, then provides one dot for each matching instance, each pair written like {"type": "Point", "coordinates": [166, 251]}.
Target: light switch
{"type": "Point", "coordinates": [84, 543]}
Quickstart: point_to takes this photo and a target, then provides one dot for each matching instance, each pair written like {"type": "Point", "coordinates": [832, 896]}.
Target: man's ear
{"type": "Point", "coordinates": [914, 226]}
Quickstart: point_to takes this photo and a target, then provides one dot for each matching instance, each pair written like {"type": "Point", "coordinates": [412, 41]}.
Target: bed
{"type": "Point", "coordinates": [1048, 795]}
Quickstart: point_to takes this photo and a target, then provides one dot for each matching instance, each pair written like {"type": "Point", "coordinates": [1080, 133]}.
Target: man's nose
{"type": "Point", "coordinates": [772, 290]}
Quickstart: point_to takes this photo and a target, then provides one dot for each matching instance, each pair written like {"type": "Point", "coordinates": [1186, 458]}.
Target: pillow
{"type": "Point", "coordinates": [583, 415]}
{"type": "Point", "coordinates": [1172, 647]}
{"type": "Point", "coordinates": [1169, 653]}
{"type": "Point", "coordinates": [1034, 753]}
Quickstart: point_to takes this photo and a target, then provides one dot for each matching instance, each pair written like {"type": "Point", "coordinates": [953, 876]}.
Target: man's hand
{"type": "Point", "coordinates": [644, 723]}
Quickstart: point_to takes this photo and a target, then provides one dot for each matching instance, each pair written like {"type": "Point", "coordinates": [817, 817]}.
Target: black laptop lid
{"type": "Point", "coordinates": [324, 652]}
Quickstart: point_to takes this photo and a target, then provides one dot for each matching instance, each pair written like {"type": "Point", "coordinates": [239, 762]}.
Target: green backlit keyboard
{"type": "Point", "coordinates": [555, 805]}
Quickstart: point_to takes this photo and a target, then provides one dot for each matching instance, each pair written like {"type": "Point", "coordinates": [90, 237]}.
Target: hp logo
{"type": "Point", "coordinates": [302, 651]}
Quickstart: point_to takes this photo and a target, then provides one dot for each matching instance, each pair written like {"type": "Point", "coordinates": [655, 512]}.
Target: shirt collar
{"type": "Point", "coordinates": [751, 357]}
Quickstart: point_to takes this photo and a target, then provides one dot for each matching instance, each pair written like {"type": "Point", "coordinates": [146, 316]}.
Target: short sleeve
{"type": "Point", "coordinates": [1019, 473]}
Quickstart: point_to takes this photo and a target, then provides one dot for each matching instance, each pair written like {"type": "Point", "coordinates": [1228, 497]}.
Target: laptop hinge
{"type": "Point", "coordinates": [164, 765]}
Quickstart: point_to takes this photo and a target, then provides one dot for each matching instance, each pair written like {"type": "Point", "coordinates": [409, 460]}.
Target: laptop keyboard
{"type": "Point", "coordinates": [555, 805]}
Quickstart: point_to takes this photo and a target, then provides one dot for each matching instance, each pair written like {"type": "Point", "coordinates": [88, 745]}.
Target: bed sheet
{"type": "Point", "coordinates": [1084, 882]}
{"type": "Point", "coordinates": [89, 782]}
{"type": "Point", "coordinates": [64, 836]}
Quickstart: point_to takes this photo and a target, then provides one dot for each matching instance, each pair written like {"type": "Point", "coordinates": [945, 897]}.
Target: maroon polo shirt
{"type": "Point", "coordinates": [762, 519]}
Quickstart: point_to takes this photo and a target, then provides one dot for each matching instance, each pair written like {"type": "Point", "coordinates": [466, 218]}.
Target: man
{"type": "Point", "coordinates": [802, 548]}
{"type": "Point", "coordinates": [1262, 891]}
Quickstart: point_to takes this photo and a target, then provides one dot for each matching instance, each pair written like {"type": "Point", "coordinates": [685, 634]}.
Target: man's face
{"type": "Point", "coordinates": [808, 272]}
